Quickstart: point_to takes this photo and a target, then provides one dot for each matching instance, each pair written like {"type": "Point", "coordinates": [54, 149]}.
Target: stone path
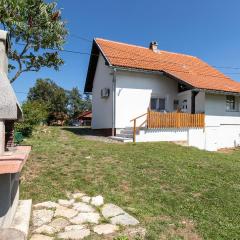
{"type": "Point", "coordinates": [82, 216]}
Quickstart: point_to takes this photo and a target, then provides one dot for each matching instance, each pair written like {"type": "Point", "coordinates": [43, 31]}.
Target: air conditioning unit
{"type": "Point", "coordinates": [105, 92]}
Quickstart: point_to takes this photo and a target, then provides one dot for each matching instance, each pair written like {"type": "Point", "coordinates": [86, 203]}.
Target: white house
{"type": "Point", "coordinates": [171, 96]}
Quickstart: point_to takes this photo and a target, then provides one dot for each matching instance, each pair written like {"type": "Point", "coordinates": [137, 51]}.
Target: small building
{"type": "Point", "coordinates": [12, 158]}
{"type": "Point", "coordinates": [85, 118]}
{"type": "Point", "coordinates": [146, 94]}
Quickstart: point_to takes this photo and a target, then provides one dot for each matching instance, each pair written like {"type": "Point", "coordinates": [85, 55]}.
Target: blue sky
{"type": "Point", "coordinates": [207, 29]}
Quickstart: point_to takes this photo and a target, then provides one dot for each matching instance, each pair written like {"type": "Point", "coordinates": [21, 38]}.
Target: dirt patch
{"type": "Point", "coordinates": [186, 231]}
{"type": "Point", "coordinates": [228, 150]}
{"type": "Point", "coordinates": [101, 139]}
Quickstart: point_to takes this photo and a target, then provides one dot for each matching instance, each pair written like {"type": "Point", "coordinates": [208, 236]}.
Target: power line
{"type": "Point", "coordinates": [88, 40]}
{"type": "Point", "coordinates": [135, 59]}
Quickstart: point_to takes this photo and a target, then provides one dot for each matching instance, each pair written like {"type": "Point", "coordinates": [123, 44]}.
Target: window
{"type": "Point", "coordinates": [230, 103]}
{"type": "Point", "coordinates": [157, 104]}
{"type": "Point", "coordinates": [175, 104]}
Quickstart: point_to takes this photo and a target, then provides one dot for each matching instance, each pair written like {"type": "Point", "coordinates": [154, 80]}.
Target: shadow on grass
{"type": "Point", "coordinates": [82, 131]}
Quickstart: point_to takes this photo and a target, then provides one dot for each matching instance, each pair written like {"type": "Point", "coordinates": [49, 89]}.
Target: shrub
{"type": "Point", "coordinates": [34, 113]}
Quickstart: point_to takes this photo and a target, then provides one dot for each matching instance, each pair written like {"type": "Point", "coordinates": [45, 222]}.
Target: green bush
{"type": "Point", "coordinates": [121, 238]}
{"type": "Point", "coordinates": [34, 113]}
{"type": "Point", "coordinates": [25, 128]}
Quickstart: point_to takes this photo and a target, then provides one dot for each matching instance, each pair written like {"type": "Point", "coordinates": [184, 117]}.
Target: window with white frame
{"type": "Point", "coordinates": [231, 103]}
{"type": "Point", "coordinates": [157, 104]}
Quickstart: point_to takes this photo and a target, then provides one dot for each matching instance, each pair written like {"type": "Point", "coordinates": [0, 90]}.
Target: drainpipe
{"type": "Point", "coordinates": [113, 100]}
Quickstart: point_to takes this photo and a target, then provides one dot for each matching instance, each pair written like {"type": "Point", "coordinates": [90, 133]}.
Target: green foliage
{"type": "Point", "coordinates": [58, 101]}
{"type": "Point", "coordinates": [38, 27]}
{"type": "Point", "coordinates": [77, 104]}
{"type": "Point", "coordinates": [121, 238]}
{"type": "Point", "coordinates": [52, 96]}
{"type": "Point", "coordinates": [35, 113]}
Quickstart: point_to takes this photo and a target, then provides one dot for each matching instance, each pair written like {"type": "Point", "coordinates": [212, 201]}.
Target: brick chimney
{"type": "Point", "coordinates": [153, 46]}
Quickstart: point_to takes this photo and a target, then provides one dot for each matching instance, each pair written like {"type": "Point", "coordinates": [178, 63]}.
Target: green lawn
{"type": "Point", "coordinates": [176, 192]}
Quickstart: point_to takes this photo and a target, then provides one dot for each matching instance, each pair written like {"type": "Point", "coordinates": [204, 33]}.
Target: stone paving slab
{"type": "Point", "coordinates": [111, 210]}
{"type": "Point", "coordinates": [74, 234]}
{"type": "Point", "coordinates": [81, 216]}
{"type": "Point", "coordinates": [41, 217]}
{"type": "Point", "coordinates": [104, 229]}
{"type": "Point", "coordinates": [46, 205]}
{"type": "Point", "coordinates": [86, 218]}
{"type": "Point", "coordinates": [59, 223]}
{"type": "Point", "coordinates": [40, 237]}
{"type": "Point", "coordinates": [124, 220]}
{"type": "Point", "coordinates": [65, 212]}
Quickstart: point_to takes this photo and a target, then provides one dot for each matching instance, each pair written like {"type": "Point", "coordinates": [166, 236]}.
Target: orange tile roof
{"type": "Point", "coordinates": [189, 69]}
{"type": "Point", "coordinates": [87, 114]}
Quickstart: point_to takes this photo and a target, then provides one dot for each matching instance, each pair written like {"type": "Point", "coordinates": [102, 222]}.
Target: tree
{"type": "Point", "coordinates": [87, 103]}
{"type": "Point", "coordinates": [35, 112]}
{"type": "Point", "coordinates": [53, 96]}
{"type": "Point", "coordinates": [37, 26]}
{"type": "Point", "coordinates": [75, 102]}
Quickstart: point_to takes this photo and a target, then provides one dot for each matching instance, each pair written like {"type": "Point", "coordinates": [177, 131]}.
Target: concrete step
{"type": "Point", "coordinates": [121, 139]}
{"type": "Point", "coordinates": [125, 135]}
{"type": "Point", "coordinates": [126, 131]}
{"type": "Point", "coordinates": [22, 216]}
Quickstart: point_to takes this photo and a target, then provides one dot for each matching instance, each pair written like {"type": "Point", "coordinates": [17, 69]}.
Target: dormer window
{"type": "Point", "coordinates": [231, 104]}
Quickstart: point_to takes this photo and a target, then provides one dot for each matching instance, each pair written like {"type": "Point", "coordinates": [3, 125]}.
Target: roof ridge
{"type": "Point", "coordinates": [134, 45]}
{"type": "Point", "coordinates": [129, 44]}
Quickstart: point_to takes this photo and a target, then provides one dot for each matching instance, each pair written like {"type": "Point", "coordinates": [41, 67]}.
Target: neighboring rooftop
{"type": "Point", "coordinates": [186, 68]}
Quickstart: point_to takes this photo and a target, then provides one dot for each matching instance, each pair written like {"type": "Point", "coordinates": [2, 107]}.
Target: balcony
{"type": "Point", "coordinates": [174, 120]}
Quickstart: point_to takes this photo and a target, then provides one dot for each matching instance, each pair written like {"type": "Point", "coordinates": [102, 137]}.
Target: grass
{"type": "Point", "coordinates": [176, 192]}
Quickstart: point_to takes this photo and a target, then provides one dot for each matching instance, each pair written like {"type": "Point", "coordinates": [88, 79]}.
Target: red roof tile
{"type": "Point", "coordinates": [189, 69]}
{"type": "Point", "coordinates": [87, 114]}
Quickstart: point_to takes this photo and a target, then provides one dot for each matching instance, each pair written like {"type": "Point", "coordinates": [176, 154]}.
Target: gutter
{"type": "Point", "coordinates": [216, 91]}
{"type": "Point", "coordinates": [114, 101]}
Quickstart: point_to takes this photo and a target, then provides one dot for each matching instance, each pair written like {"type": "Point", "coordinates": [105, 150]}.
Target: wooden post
{"type": "Point", "coordinates": [134, 130]}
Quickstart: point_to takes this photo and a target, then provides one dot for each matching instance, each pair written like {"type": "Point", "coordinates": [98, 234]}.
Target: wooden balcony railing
{"type": "Point", "coordinates": [157, 120]}
{"type": "Point", "coordinates": [175, 120]}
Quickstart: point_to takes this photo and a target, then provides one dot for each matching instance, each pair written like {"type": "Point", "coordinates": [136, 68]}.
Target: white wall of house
{"type": "Point", "coordinates": [133, 94]}
{"type": "Point", "coordinates": [102, 107]}
{"type": "Point", "coordinates": [159, 135]}
{"type": "Point", "coordinates": [134, 91]}
{"type": "Point", "coordinates": [200, 102]}
{"type": "Point", "coordinates": [185, 101]}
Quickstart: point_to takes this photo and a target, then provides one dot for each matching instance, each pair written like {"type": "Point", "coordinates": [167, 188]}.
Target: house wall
{"type": "Point", "coordinates": [102, 107]}
{"type": "Point", "coordinates": [222, 127]}
{"type": "Point", "coordinates": [159, 135]}
{"type": "Point", "coordinates": [134, 91]}
{"type": "Point", "coordinates": [200, 102]}
{"type": "Point", "coordinates": [186, 95]}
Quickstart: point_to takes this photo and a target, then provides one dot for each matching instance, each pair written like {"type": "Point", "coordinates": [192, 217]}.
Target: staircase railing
{"type": "Point", "coordinates": [135, 128]}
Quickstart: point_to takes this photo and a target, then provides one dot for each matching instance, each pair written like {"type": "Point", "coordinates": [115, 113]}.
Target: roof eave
{"type": "Point", "coordinates": [92, 66]}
